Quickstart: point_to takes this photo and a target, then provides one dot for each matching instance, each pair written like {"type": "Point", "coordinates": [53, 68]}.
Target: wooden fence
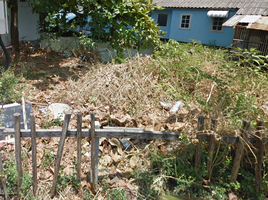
{"type": "Point", "coordinates": [258, 139]}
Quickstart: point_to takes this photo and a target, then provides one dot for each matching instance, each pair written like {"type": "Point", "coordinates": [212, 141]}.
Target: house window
{"type": "Point", "coordinates": [185, 22]}
{"type": "Point", "coordinates": [162, 19]}
{"type": "Point", "coordinates": [216, 24]}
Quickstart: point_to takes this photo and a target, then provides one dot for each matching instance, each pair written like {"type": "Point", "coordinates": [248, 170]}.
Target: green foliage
{"type": "Point", "coordinates": [124, 23]}
{"type": "Point", "coordinates": [179, 176]}
{"type": "Point", "coordinates": [64, 180]}
{"type": "Point", "coordinates": [116, 194]}
{"type": "Point", "coordinates": [10, 170]}
{"type": "Point", "coordinates": [10, 89]}
{"type": "Point", "coordinates": [47, 159]}
{"type": "Point", "coordinates": [11, 174]}
{"type": "Point", "coordinates": [236, 92]}
{"type": "Point", "coordinates": [250, 59]}
{"type": "Point", "coordinates": [87, 195]}
{"type": "Point", "coordinates": [87, 42]}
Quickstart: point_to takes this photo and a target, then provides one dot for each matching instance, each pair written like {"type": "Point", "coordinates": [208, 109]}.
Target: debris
{"type": "Point", "coordinates": [125, 143]}
{"type": "Point", "coordinates": [265, 108]}
{"type": "Point", "coordinates": [114, 180]}
{"type": "Point", "coordinates": [11, 140]}
{"type": "Point", "coordinates": [58, 110]}
{"type": "Point", "coordinates": [83, 58]}
{"type": "Point", "coordinates": [166, 105]}
{"type": "Point", "coordinates": [43, 110]}
{"type": "Point", "coordinates": [8, 111]}
{"type": "Point", "coordinates": [232, 196]}
{"type": "Point", "coordinates": [176, 107]}
{"type": "Point", "coordinates": [117, 143]}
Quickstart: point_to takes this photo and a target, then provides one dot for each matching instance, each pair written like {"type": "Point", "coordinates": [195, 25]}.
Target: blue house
{"type": "Point", "coordinates": [203, 20]}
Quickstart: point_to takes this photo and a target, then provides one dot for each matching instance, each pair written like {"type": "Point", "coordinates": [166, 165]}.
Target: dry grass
{"type": "Point", "coordinates": [129, 94]}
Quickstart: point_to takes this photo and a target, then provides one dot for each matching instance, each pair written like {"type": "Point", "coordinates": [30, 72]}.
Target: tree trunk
{"type": "Point", "coordinates": [15, 27]}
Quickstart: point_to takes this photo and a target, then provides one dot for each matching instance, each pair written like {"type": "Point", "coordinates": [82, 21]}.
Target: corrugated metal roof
{"type": "Point", "coordinates": [233, 20]}
{"type": "Point", "coordinates": [260, 24]}
{"type": "Point", "coordinates": [245, 7]}
{"type": "Point", "coordinates": [250, 19]}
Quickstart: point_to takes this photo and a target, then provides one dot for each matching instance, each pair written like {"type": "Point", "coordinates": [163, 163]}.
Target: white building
{"type": "Point", "coordinates": [28, 23]}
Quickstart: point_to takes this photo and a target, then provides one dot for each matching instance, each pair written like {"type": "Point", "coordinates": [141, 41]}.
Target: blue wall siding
{"type": "Point", "coordinates": [200, 27]}
{"type": "Point", "coordinates": [165, 29]}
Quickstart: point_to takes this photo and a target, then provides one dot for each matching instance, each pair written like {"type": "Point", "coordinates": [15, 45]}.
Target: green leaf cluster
{"type": "Point", "coordinates": [124, 23]}
{"type": "Point", "coordinates": [10, 89]}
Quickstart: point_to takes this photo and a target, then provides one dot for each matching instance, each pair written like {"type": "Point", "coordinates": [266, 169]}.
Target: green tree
{"type": "Point", "coordinates": [124, 23]}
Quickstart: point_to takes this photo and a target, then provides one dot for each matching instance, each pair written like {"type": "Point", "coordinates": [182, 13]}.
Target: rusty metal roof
{"type": "Point", "coordinates": [244, 7]}
{"type": "Point", "coordinates": [260, 24]}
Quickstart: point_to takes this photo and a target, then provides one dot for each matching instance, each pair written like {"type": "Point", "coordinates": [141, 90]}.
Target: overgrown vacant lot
{"type": "Point", "coordinates": [211, 82]}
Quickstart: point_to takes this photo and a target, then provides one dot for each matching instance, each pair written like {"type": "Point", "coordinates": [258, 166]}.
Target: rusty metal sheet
{"type": "Point", "coordinates": [260, 24]}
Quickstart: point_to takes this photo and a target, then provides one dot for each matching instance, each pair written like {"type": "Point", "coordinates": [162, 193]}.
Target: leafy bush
{"type": "Point", "coordinates": [10, 89]}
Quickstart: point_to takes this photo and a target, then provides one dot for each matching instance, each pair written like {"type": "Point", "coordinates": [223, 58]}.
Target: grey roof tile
{"type": "Point", "coordinates": [245, 7]}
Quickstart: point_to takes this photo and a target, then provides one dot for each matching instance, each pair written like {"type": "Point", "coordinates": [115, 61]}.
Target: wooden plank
{"type": "Point", "coordinates": [3, 180]}
{"type": "Point", "coordinates": [119, 128]}
{"type": "Point", "coordinates": [137, 134]}
{"type": "Point", "coordinates": [259, 153]}
{"type": "Point", "coordinates": [34, 151]}
{"type": "Point", "coordinates": [79, 137]}
{"type": "Point", "coordinates": [94, 154]}
{"type": "Point", "coordinates": [128, 133]}
{"type": "Point", "coordinates": [239, 152]}
{"type": "Point", "coordinates": [24, 113]}
{"type": "Point", "coordinates": [18, 150]}
{"type": "Point", "coordinates": [48, 133]}
{"type": "Point", "coordinates": [212, 141]}
{"type": "Point", "coordinates": [59, 153]}
{"type": "Point", "coordinates": [198, 148]}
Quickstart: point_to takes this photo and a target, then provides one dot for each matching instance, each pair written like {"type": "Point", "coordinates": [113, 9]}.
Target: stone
{"type": "Point", "coordinates": [58, 110]}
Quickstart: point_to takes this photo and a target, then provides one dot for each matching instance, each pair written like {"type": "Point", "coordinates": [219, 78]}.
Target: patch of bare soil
{"type": "Point", "coordinates": [120, 95]}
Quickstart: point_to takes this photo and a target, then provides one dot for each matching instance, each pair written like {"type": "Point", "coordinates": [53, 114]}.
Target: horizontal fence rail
{"type": "Point", "coordinates": [258, 139]}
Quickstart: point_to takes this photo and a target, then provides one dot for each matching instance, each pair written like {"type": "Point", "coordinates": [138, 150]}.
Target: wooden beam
{"type": "Point", "coordinates": [18, 150]}
{"type": "Point", "coordinates": [198, 148]}
{"type": "Point", "coordinates": [59, 153]}
{"type": "Point", "coordinates": [239, 151]}
{"type": "Point", "coordinates": [212, 141]}
{"type": "Point", "coordinates": [259, 153]}
{"type": "Point", "coordinates": [137, 134]}
{"type": "Point", "coordinates": [79, 137]}
{"type": "Point", "coordinates": [47, 133]}
{"type": "Point", "coordinates": [94, 154]}
{"type": "Point", "coordinates": [34, 151]}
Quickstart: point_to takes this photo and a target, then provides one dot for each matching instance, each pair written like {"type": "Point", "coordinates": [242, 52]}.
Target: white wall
{"type": "Point", "coordinates": [28, 23]}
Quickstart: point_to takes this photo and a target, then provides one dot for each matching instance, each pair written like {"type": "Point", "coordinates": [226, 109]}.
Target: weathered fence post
{"type": "Point", "coordinates": [79, 137]}
{"type": "Point", "coordinates": [18, 149]}
{"type": "Point", "coordinates": [94, 154]}
{"type": "Point", "coordinates": [239, 151]}
{"type": "Point", "coordinates": [212, 141]}
{"type": "Point", "coordinates": [59, 153]}
{"type": "Point", "coordinates": [34, 151]}
{"type": "Point", "coordinates": [198, 149]}
{"type": "Point", "coordinates": [259, 153]}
